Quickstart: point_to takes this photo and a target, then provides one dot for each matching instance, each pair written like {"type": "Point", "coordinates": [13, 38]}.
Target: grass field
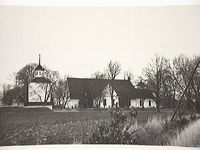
{"type": "Point", "coordinates": [42, 116]}
{"type": "Point", "coordinates": [30, 126]}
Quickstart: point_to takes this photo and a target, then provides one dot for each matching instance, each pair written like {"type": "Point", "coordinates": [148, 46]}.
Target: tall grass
{"type": "Point", "coordinates": [190, 136]}
{"type": "Point", "coordinates": [152, 132]}
{"type": "Point", "coordinates": [155, 124]}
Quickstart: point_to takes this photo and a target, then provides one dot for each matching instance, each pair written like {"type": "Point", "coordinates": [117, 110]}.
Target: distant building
{"type": "Point", "coordinates": [39, 93]}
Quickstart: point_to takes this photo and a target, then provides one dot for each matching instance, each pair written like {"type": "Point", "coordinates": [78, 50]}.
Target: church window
{"type": "Point", "coordinates": [104, 102]}
{"type": "Point", "coordinates": [140, 102]}
{"type": "Point", "coordinates": [149, 102]}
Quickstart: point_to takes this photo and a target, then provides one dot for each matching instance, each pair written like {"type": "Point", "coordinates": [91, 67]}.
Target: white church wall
{"type": "Point", "coordinates": [146, 103]}
{"type": "Point", "coordinates": [108, 102]}
{"type": "Point", "coordinates": [107, 97]}
{"type": "Point", "coordinates": [37, 91]}
{"type": "Point", "coordinates": [136, 103]}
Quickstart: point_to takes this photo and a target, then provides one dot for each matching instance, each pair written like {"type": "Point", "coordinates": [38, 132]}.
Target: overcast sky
{"type": "Point", "coordinates": [81, 40]}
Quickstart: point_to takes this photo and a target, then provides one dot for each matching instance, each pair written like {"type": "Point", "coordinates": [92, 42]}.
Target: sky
{"type": "Point", "coordinates": [79, 41]}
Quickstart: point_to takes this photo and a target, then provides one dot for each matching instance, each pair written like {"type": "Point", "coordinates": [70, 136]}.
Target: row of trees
{"type": "Point", "coordinates": [166, 78]}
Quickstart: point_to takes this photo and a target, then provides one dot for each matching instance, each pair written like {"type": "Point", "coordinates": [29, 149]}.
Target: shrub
{"type": "Point", "coordinates": [114, 131]}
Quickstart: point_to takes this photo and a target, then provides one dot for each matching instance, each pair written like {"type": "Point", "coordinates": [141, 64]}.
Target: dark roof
{"type": "Point", "coordinates": [41, 80]}
{"type": "Point", "coordinates": [39, 67]}
{"type": "Point", "coordinates": [143, 94]}
{"type": "Point", "coordinates": [79, 87]}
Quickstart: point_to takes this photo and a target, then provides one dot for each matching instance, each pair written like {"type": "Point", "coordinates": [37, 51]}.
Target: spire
{"type": "Point", "coordinates": [39, 67]}
{"type": "Point", "coordinates": [39, 59]}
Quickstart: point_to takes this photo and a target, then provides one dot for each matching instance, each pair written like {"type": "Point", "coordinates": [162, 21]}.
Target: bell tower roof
{"type": "Point", "coordinates": [39, 67]}
{"type": "Point", "coordinates": [39, 76]}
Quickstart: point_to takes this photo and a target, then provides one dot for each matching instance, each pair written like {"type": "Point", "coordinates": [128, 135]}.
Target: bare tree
{"type": "Point", "coordinates": [61, 92]}
{"type": "Point", "coordinates": [12, 78]}
{"type": "Point", "coordinates": [157, 73]}
{"type": "Point", "coordinates": [98, 92]}
{"type": "Point", "coordinates": [196, 85]}
{"type": "Point", "coordinates": [97, 95]}
{"type": "Point", "coordinates": [112, 71]}
{"type": "Point", "coordinates": [25, 75]}
{"type": "Point", "coordinates": [98, 75]}
{"type": "Point", "coordinates": [182, 69]}
{"type": "Point", "coordinates": [54, 77]}
{"type": "Point", "coordinates": [11, 95]}
{"type": "Point", "coordinates": [128, 75]}
{"type": "Point", "coordinates": [97, 88]}
{"type": "Point", "coordinates": [5, 89]}
{"type": "Point", "coordinates": [22, 78]}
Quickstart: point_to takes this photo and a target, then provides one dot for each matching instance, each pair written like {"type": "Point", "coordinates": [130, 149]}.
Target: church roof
{"type": "Point", "coordinates": [41, 80]}
{"type": "Point", "coordinates": [79, 87]}
{"type": "Point", "coordinates": [143, 94]}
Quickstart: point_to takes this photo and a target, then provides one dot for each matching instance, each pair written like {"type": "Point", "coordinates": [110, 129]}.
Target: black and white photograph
{"type": "Point", "coordinates": [99, 74]}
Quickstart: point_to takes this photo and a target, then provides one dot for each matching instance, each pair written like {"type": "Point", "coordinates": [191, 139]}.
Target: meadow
{"type": "Point", "coordinates": [28, 126]}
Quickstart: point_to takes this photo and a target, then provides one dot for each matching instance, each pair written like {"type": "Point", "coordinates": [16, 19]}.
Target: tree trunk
{"type": "Point", "coordinates": [158, 104]}
{"type": "Point", "coordinates": [142, 103]}
{"type": "Point", "coordinates": [174, 99]}
{"type": "Point", "coordinates": [158, 107]}
{"type": "Point", "coordinates": [112, 99]}
{"type": "Point", "coordinates": [197, 106]}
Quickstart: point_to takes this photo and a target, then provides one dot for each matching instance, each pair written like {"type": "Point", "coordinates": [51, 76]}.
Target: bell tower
{"type": "Point", "coordinates": [39, 89]}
